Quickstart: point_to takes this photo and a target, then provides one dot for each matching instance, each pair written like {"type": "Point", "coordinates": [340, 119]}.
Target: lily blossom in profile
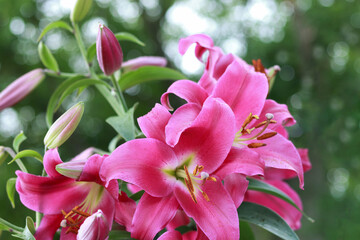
{"type": "Point", "coordinates": [20, 88]}
{"type": "Point", "coordinates": [182, 176]}
{"type": "Point", "coordinates": [68, 202]}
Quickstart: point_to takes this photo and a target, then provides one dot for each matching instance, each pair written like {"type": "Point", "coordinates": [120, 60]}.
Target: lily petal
{"type": "Point", "coordinates": [152, 214]}
{"type": "Point", "coordinates": [173, 235]}
{"type": "Point", "coordinates": [50, 223]}
{"type": "Point", "coordinates": [236, 185]}
{"type": "Point", "coordinates": [51, 159]}
{"type": "Point", "coordinates": [244, 91]}
{"type": "Point", "coordinates": [153, 124]}
{"type": "Point", "coordinates": [243, 161]}
{"type": "Point", "coordinates": [210, 136]}
{"type": "Point", "coordinates": [203, 41]}
{"type": "Point", "coordinates": [181, 119]}
{"type": "Point", "coordinates": [140, 162]}
{"type": "Point", "coordinates": [49, 195]}
{"type": "Point", "coordinates": [185, 89]}
{"type": "Point", "coordinates": [125, 209]}
{"type": "Point", "coordinates": [180, 219]}
{"type": "Point", "coordinates": [290, 214]}
{"type": "Point", "coordinates": [280, 153]}
{"type": "Point", "coordinates": [218, 217]}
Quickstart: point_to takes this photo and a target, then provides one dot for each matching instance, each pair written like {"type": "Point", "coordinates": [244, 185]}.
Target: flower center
{"type": "Point", "coordinates": [194, 180]}
{"type": "Point", "coordinates": [79, 213]}
{"type": "Point", "coordinates": [244, 133]}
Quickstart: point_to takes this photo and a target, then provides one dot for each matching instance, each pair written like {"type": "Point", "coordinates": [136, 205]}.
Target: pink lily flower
{"type": "Point", "coordinates": [182, 176]}
{"type": "Point", "coordinates": [135, 63]}
{"type": "Point", "coordinates": [175, 235]}
{"type": "Point", "coordinates": [67, 202]}
{"type": "Point", "coordinates": [20, 88]}
{"type": "Point", "coordinates": [245, 92]}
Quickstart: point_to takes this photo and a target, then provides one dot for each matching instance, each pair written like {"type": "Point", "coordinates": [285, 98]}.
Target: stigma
{"type": "Point", "coordinates": [254, 133]}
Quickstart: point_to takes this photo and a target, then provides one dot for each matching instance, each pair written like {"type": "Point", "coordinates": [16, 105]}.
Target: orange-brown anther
{"type": "Point", "coordinates": [190, 191]}
{"type": "Point", "coordinates": [266, 135]}
{"type": "Point", "coordinates": [84, 214]}
{"type": "Point", "coordinates": [256, 145]}
{"type": "Point", "coordinates": [247, 120]}
{"type": "Point", "coordinates": [258, 66]}
{"type": "Point", "coordinates": [189, 178]}
{"type": "Point", "coordinates": [201, 167]}
{"type": "Point", "coordinates": [211, 179]}
{"type": "Point", "coordinates": [206, 196]}
{"type": "Point", "coordinates": [196, 170]}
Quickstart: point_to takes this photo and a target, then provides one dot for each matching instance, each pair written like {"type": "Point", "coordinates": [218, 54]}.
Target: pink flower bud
{"type": "Point", "coordinates": [64, 126]}
{"type": "Point", "coordinates": [135, 63]}
{"type": "Point", "coordinates": [108, 50]}
{"type": "Point", "coordinates": [94, 227]}
{"type": "Point", "coordinates": [21, 87]}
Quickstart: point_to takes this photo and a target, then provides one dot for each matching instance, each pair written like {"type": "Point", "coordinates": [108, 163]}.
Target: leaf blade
{"type": "Point", "coordinates": [53, 25]}
{"type": "Point", "coordinates": [27, 153]}
{"type": "Point", "coordinates": [125, 36]}
{"type": "Point", "coordinates": [10, 190]}
{"type": "Point", "coordinates": [18, 140]}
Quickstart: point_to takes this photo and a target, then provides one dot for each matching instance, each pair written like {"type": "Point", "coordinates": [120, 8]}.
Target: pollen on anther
{"type": "Point", "coordinates": [256, 145]}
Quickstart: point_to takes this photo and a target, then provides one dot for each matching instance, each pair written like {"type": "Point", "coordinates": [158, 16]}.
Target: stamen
{"type": "Point", "coordinates": [256, 145]}
{"type": "Point", "coordinates": [247, 121]}
{"type": "Point", "coordinates": [84, 214]}
{"type": "Point", "coordinates": [195, 172]}
{"type": "Point", "coordinates": [201, 167]}
{"type": "Point", "coordinates": [211, 179]}
{"type": "Point", "coordinates": [190, 191]}
{"type": "Point", "coordinates": [206, 196]}
{"type": "Point", "coordinates": [266, 135]}
{"type": "Point", "coordinates": [189, 178]}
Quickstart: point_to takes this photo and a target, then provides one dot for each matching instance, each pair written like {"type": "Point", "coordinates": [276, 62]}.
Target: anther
{"type": "Point", "coordinates": [266, 135]}
{"type": "Point", "coordinates": [206, 196]}
{"type": "Point", "coordinates": [256, 145]}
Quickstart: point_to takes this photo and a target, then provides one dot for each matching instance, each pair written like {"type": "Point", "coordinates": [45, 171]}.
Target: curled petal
{"type": "Point", "coordinates": [152, 214]}
{"type": "Point", "coordinates": [220, 211]}
{"type": "Point", "coordinates": [185, 89]}
{"type": "Point", "coordinates": [153, 123]}
{"type": "Point", "coordinates": [173, 235]}
{"type": "Point", "coordinates": [51, 159]}
{"type": "Point", "coordinates": [141, 162]}
{"type": "Point", "coordinates": [203, 41]}
{"type": "Point", "coordinates": [181, 119]}
{"type": "Point", "coordinates": [135, 63]}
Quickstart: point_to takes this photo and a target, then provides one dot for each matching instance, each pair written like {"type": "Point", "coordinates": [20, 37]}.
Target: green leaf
{"type": "Point", "coordinates": [53, 25]}
{"type": "Point", "coordinates": [137, 196]}
{"type": "Point", "coordinates": [113, 143]}
{"type": "Point", "coordinates": [267, 219]}
{"type": "Point", "coordinates": [246, 232]}
{"type": "Point", "coordinates": [18, 140]}
{"type": "Point", "coordinates": [47, 58]}
{"type": "Point", "coordinates": [29, 230]}
{"type": "Point", "coordinates": [91, 52]}
{"type": "Point", "coordinates": [65, 89]}
{"type": "Point", "coordinates": [260, 186]}
{"type": "Point", "coordinates": [147, 74]}
{"type": "Point", "coordinates": [119, 235]}
{"type": "Point", "coordinates": [6, 226]}
{"type": "Point", "coordinates": [124, 124]}
{"type": "Point", "coordinates": [125, 36]}
{"type": "Point", "coordinates": [10, 190]}
{"type": "Point", "coordinates": [27, 153]}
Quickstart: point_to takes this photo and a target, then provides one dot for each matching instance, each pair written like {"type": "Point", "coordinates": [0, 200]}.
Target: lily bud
{"type": "Point", "coordinates": [108, 50]}
{"type": "Point", "coordinates": [3, 154]}
{"type": "Point", "coordinates": [71, 169]}
{"type": "Point", "coordinates": [80, 10]}
{"type": "Point", "coordinates": [64, 126]}
{"type": "Point", "coordinates": [94, 227]}
{"type": "Point", "coordinates": [20, 88]}
{"type": "Point", "coordinates": [135, 63]}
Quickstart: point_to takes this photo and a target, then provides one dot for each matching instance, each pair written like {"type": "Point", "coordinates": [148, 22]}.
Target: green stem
{"type": "Point", "coordinates": [18, 161]}
{"type": "Point", "coordinates": [81, 44]}
{"type": "Point", "coordinates": [119, 92]}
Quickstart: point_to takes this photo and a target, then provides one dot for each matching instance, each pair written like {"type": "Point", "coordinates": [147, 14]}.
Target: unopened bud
{"type": "Point", "coordinates": [21, 87]}
{"type": "Point", "coordinates": [108, 50]}
{"type": "Point", "coordinates": [72, 169]}
{"type": "Point", "coordinates": [135, 63]}
{"type": "Point", "coordinates": [64, 126]}
{"type": "Point", "coordinates": [80, 10]}
{"type": "Point", "coordinates": [94, 227]}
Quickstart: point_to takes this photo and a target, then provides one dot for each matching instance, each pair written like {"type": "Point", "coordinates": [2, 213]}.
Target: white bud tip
{"type": "Point", "coordinates": [204, 175]}
{"type": "Point", "coordinates": [269, 116]}
{"type": "Point", "coordinates": [63, 223]}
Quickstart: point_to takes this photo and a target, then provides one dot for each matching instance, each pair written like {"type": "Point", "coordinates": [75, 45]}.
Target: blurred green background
{"type": "Point", "coordinates": [315, 42]}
